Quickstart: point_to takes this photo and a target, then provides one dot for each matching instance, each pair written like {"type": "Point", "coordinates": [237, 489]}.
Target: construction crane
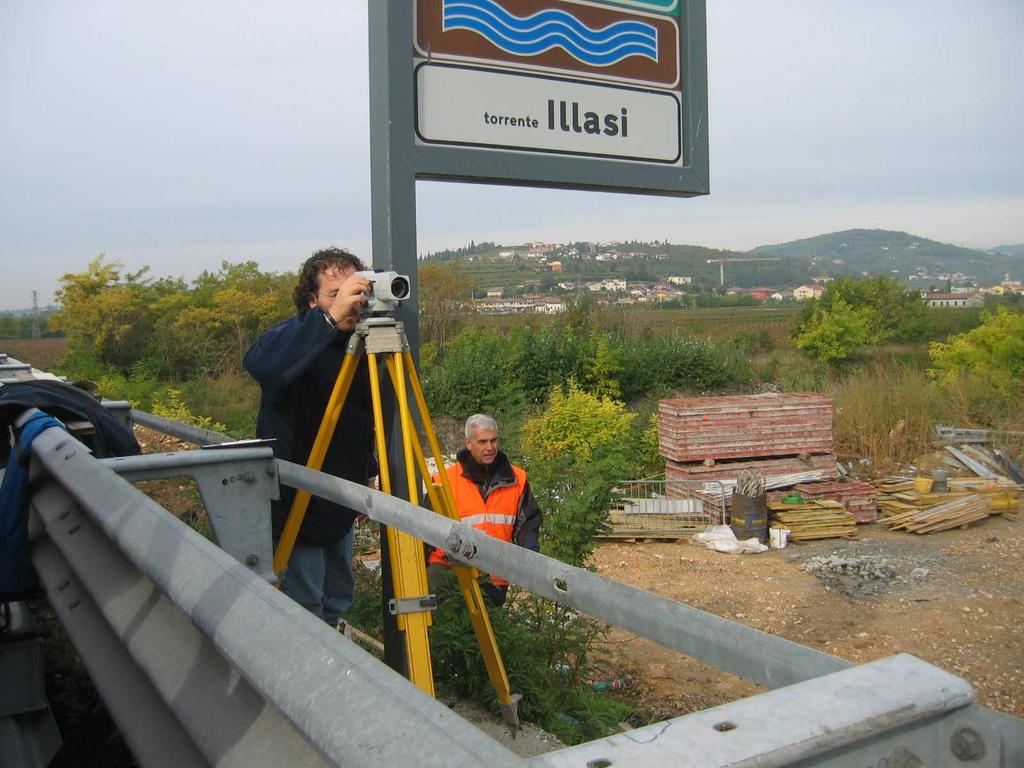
{"type": "Point", "coordinates": [722, 262]}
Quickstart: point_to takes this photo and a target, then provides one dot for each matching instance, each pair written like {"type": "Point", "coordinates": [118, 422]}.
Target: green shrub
{"type": "Point", "coordinates": [547, 357]}
{"type": "Point", "coordinates": [575, 423]}
{"type": "Point", "coordinates": [140, 392]}
{"type": "Point", "coordinates": [647, 458]}
{"type": "Point", "coordinates": [889, 311]}
{"type": "Point", "coordinates": [667, 361]}
{"type": "Point", "coordinates": [550, 653]}
{"type": "Point", "coordinates": [504, 371]}
{"type": "Point", "coordinates": [947, 321]}
{"type": "Point", "coordinates": [169, 405]}
{"type": "Point", "coordinates": [837, 332]}
{"type": "Point", "coordinates": [992, 352]}
{"type": "Point", "coordinates": [231, 399]}
{"type": "Point", "coordinates": [476, 375]}
{"type": "Point", "coordinates": [550, 657]}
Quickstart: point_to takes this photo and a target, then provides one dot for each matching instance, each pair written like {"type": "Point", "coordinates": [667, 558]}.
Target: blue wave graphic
{"type": "Point", "coordinates": [549, 29]}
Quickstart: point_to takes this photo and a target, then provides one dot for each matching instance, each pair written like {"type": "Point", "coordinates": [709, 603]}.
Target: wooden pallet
{"type": "Point", "coordinates": [822, 519]}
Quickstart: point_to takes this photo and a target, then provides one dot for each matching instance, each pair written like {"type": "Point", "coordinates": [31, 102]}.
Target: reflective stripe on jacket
{"type": "Point", "coordinates": [496, 516]}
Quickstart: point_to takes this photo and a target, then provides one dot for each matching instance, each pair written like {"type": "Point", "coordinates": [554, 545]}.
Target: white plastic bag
{"type": "Point", "coordinates": [722, 539]}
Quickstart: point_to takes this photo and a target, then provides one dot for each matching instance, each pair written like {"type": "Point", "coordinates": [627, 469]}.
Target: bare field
{"type": "Point", "coordinates": [43, 354]}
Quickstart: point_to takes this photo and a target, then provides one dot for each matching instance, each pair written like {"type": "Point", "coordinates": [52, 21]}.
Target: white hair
{"type": "Point", "coordinates": [480, 421]}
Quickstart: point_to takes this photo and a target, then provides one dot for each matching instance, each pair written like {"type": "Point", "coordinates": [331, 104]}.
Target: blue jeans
{"type": "Point", "coordinates": [320, 579]}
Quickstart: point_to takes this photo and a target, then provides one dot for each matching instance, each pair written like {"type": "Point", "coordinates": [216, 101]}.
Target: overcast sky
{"type": "Point", "coordinates": [182, 134]}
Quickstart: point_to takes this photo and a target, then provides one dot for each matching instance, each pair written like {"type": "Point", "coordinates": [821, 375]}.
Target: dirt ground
{"type": "Point", "coordinates": [952, 598]}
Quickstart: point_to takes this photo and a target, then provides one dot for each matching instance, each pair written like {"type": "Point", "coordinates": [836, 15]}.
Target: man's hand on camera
{"type": "Point", "coordinates": [349, 303]}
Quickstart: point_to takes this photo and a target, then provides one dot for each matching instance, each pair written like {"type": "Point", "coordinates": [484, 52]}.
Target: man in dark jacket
{"type": "Point", "coordinates": [493, 495]}
{"type": "Point", "coordinates": [296, 364]}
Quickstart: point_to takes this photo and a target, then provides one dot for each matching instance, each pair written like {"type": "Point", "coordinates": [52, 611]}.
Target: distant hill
{"type": "Point", "coordinates": [510, 266]}
{"type": "Point", "coordinates": [918, 261]}
{"type": "Point", "coordinates": [897, 254]}
{"type": "Point", "coordinates": [1010, 250]}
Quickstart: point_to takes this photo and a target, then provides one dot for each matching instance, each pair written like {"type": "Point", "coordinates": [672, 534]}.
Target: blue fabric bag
{"type": "Point", "coordinates": [17, 576]}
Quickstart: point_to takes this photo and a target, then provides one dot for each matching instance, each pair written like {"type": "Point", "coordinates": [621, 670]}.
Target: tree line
{"type": "Point", "coordinates": [166, 328]}
{"type": "Point", "coordinates": [23, 325]}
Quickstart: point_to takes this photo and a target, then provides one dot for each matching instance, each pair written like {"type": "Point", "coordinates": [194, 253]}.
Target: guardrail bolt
{"type": "Point", "coordinates": [967, 744]}
{"type": "Point", "coordinates": [252, 560]}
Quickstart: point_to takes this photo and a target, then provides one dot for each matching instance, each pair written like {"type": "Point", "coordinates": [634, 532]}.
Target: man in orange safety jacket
{"type": "Point", "coordinates": [493, 495]}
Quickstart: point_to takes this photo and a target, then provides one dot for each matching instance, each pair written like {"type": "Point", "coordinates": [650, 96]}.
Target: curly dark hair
{"type": "Point", "coordinates": [316, 265]}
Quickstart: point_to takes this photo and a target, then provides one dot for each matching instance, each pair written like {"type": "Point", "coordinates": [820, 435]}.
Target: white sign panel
{"type": "Point", "coordinates": [487, 108]}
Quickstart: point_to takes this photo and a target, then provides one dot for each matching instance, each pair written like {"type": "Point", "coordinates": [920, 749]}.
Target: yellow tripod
{"type": "Point", "coordinates": [412, 605]}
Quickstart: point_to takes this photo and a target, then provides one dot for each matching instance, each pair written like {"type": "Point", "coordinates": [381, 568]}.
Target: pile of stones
{"type": "Point", "coordinates": [853, 576]}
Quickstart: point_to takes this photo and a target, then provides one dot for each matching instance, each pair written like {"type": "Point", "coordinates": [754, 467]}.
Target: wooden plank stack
{"type": "Point", "coordinates": [857, 497]}
{"type": "Point", "coordinates": [955, 513]}
{"type": "Point", "coordinates": [1004, 496]}
{"type": "Point", "coordinates": [900, 500]}
{"type": "Point", "coordinates": [821, 519]}
{"type": "Point", "coordinates": [784, 437]}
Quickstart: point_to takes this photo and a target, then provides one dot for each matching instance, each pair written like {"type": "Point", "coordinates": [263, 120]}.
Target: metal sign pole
{"type": "Point", "coordinates": [393, 219]}
{"type": "Point", "coordinates": [576, 94]}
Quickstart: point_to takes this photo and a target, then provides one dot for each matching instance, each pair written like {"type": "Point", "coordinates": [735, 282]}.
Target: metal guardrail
{"type": "Point", "coordinates": [202, 662]}
{"type": "Point", "coordinates": [235, 486]}
{"type": "Point", "coordinates": [199, 659]}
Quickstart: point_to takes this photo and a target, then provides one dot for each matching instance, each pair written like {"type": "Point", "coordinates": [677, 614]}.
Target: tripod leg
{"type": "Point", "coordinates": [378, 428]}
{"type": "Point", "coordinates": [475, 606]}
{"type": "Point", "coordinates": [332, 413]}
{"type": "Point", "coordinates": [428, 425]}
{"type": "Point", "coordinates": [441, 506]}
{"type": "Point", "coordinates": [467, 577]}
{"type": "Point", "coordinates": [408, 567]}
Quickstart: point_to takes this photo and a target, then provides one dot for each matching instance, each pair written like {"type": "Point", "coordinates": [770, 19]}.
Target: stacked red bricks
{"type": "Point", "coordinates": [775, 434]}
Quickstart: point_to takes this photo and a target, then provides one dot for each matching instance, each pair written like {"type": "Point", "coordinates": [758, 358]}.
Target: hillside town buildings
{"type": "Point", "coordinates": [566, 263]}
{"type": "Point", "coordinates": [936, 299]}
{"type": "Point", "coordinates": [811, 291]}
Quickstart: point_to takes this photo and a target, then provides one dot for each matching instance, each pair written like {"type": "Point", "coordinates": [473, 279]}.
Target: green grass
{"type": "Point", "coordinates": [232, 399]}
